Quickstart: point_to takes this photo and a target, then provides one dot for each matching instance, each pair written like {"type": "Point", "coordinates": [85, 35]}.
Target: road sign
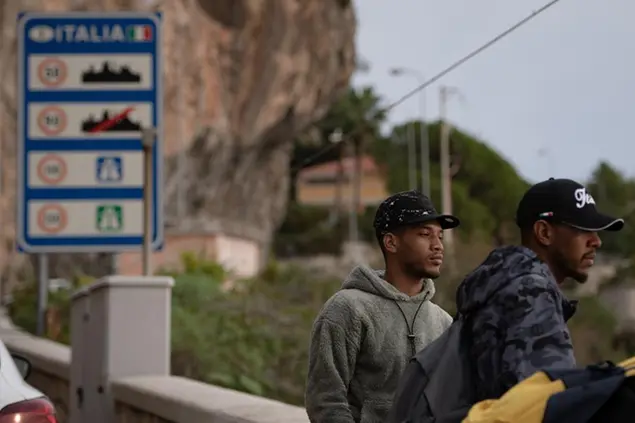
{"type": "Point", "coordinates": [51, 169]}
{"type": "Point", "coordinates": [51, 72]}
{"type": "Point", "coordinates": [79, 72]}
{"type": "Point", "coordinates": [88, 84]}
{"type": "Point", "coordinates": [96, 169]}
{"type": "Point", "coordinates": [51, 120]}
{"type": "Point", "coordinates": [109, 169]}
{"type": "Point", "coordinates": [51, 218]}
{"type": "Point", "coordinates": [88, 120]}
{"type": "Point", "coordinates": [109, 218]}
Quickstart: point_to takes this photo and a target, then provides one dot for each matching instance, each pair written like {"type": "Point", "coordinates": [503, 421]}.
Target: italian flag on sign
{"type": "Point", "coordinates": [139, 33]}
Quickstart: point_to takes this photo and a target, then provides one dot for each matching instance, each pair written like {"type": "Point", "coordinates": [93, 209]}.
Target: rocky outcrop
{"type": "Point", "coordinates": [241, 78]}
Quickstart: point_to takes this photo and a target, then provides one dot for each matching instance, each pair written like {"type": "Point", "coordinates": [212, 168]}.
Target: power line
{"type": "Point", "coordinates": [435, 78]}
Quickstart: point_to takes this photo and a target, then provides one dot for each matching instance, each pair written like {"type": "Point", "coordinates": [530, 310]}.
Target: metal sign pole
{"type": "Point", "coordinates": [147, 139]}
{"type": "Point", "coordinates": [42, 293]}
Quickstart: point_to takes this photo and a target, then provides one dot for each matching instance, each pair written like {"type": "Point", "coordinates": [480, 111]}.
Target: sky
{"type": "Point", "coordinates": [554, 97]}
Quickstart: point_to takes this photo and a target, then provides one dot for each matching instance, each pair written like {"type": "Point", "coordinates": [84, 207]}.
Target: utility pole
{"type": "Point", "coordinates": [412, 156]}
{"type": "Point", "coordinates": [355, 192]}
{"type": "Point", "coordinates": [148, 138]}
{"type": "Point", "coordinates": [5, 50]}
{"type": "Point", "coordinates": [180, 101]}
{"type": "Point", "coordinates": [424, 141]}
{"type": "Point", "coordinates": [336, 138]}
{"type": "Point", "coordinates": [424, 145]}
{"type": "Point", "coordinates": [446, 177]}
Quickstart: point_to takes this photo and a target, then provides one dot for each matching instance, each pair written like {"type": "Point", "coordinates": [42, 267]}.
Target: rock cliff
{"type": "Point", "coordinates": [241, 78]}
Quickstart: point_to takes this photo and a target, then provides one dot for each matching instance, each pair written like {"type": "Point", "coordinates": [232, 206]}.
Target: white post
{"type": "Point", "coordinates": [129, 335]}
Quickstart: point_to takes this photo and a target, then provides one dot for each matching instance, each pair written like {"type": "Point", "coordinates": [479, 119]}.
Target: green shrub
{"type": "Point", "coordinates": [23, 308]}
{"type": "Point", "coordinates": [253, 338]}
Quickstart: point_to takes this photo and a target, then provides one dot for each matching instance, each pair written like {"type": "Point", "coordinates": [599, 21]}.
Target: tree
{"type": "Point", "coordinates": [363, 116]}
{"type": "Point", "coordinates": [489, 178]}
{"type": "Point", "coordinates": [614, 194]}
{"type": "Point", "coordinates": [359, 116]}
{"type": "Point", "coordinates": [485, 187]}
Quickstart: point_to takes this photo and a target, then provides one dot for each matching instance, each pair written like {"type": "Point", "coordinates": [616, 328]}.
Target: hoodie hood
{"type": "Point", "coordinates": [372, 281]}
{"type": "Point", "coordinates": [503, 265]}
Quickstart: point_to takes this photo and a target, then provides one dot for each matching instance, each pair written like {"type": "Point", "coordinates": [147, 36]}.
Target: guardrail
{"type": "Point", "coordinates": [120, 372]}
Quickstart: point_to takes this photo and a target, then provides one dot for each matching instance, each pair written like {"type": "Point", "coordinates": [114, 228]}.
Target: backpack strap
{"type": "Point", "coordinates": [467, 342]}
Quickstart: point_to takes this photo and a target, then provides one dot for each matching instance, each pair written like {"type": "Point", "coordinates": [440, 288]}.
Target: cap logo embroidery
{"type": "Point", "coordinates": [582, 198]}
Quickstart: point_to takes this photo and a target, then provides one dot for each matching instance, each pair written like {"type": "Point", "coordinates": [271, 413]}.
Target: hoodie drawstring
{"type": "Point", "coordinates": [410, 325]}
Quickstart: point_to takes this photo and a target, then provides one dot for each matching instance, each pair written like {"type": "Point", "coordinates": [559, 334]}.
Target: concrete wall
{"type": "Point", "coordinates": [241, 256]}
{"type": "Point", "coordinates": [145, 399]}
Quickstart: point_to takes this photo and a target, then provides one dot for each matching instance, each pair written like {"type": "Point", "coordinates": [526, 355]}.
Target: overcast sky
{"type": "Point", "coordinates": [564, 82]}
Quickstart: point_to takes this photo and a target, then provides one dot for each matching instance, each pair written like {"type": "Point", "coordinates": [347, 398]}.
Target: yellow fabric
{"type": "Point", "coordinates": [527, 401]}
{"type": "Point", "coordinates": [524, 403]}
{"type": "Point", "coordinates": [629, 365]}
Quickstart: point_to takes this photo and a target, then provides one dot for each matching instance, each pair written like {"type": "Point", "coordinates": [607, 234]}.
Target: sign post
{"type": "Point", "coordinates": [147, 139]}
{"type": "Point", "coordinates": [42, 293]}
{"type": "Point", "coordinates": [88, 83]}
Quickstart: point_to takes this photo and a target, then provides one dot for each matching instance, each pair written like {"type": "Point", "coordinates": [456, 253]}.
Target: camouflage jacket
{"type": "Point", "coordinates": [517, 317]}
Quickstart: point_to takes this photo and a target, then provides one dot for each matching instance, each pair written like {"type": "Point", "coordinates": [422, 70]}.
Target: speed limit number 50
{"type": "Point", "coordinates": [52, 120]}
{"type": "Point", "coordinates": [52, 72]}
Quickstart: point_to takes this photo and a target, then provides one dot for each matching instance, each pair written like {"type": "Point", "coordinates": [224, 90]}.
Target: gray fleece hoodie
{"type": "Point", "coordinates": [361, 342]}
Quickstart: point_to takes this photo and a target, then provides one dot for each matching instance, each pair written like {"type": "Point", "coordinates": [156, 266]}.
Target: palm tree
{"type": "Point", "coordinates": [360, 117]}
{"type": "Point", "coordinates": [357, 116]}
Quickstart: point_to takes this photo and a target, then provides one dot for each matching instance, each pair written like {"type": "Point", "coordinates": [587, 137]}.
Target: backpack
{"type": "Point", "coordinates": [437, 385]}
{"type": "Point", "coordinates": [602, 393]}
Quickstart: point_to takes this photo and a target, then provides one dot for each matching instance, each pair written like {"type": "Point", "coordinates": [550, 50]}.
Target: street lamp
{"type": "Point", "coordinates": [148, 138]}
{"type": "Point", "coordinates": [424, 142]}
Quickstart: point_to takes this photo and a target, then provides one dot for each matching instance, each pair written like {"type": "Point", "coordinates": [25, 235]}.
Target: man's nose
{"type": "Point", "coordinates": [437, 244]}
{"type": "Point", "coordinates": [595, 240]}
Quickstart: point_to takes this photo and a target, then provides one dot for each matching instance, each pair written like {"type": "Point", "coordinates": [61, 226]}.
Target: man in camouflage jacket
{"type": "Point", "coordinates": [517, 311]}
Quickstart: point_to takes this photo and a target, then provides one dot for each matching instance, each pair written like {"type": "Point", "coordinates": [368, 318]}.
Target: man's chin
{"type": "Point", "coordinates": [433, 273]}
{"type": "Point", "coordinates": [579, 276]}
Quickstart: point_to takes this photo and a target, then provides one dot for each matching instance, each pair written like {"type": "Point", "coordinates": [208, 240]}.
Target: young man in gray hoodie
{"type": "Point", "coordinates": [366, 333]}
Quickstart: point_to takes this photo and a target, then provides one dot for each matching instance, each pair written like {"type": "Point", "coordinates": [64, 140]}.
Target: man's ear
{"type": "Point", "coordinates": [543, 232]}
{"type": "Point", "coordinates": [391, 242]}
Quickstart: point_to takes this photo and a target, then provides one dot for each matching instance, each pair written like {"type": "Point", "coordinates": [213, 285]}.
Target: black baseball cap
{"type": "Point", "coordinates": [409, 208]}
{"type": "Point", "coordinates": [564, 201]}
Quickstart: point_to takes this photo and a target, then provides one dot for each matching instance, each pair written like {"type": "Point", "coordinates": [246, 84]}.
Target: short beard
{"type": "Point", "coordinates": [419, 273]}
{"type": "Point", "coordinates": [569, 270]}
